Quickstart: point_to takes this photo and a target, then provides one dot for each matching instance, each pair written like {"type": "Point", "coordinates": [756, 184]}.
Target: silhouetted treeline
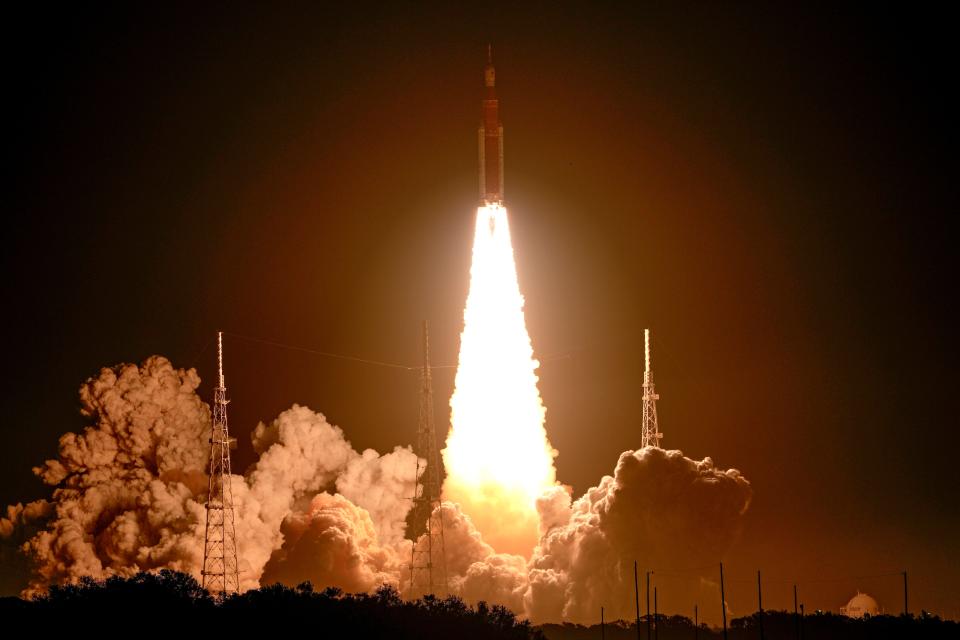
{"type": "Point", "coordinates": [170, 602]}
{"type": "Point", "coordinates": [777, 625]}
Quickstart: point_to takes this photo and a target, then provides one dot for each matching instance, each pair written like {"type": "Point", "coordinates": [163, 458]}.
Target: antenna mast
{"type": "Point", "coordinates": [428, 564]}
{"type": "Point", "coordinates": [220, 571]}
{"type": "Point", "coordinates": [651, 430]}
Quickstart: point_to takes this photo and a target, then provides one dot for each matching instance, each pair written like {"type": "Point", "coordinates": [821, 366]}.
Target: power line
{"type": "Point", "coordinates": [367, 361]}
{"type": "Point", "coordinates": [206, 345]}
{"type": "Point", "coordinates": [326, 354]}
{"type": "Point", "coordinates": [679, 572]}
{"type": "Point", "coordinates": [831, 579]}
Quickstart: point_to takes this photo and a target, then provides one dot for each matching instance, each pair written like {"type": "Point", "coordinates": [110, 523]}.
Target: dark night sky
{"type": "Point", "coordinates": [770, 192]}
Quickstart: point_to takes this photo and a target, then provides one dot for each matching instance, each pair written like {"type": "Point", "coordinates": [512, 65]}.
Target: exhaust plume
{"type": "Point", "coordinates": [498, 459]}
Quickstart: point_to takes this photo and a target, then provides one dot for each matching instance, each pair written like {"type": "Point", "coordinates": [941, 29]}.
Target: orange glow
{"type": "Point", "coordinates": [498, 458]}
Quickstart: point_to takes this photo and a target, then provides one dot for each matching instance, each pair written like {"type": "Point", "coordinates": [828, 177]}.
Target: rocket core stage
{"type": "Point", "coordinates": [491, 140]}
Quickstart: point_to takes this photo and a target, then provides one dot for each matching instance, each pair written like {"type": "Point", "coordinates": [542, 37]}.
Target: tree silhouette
{"type": "Point", "coordinates": [166, 602]}
{"type": "Point", "coordinates": [175, 602]}
{"type": "Point", "coordinates": [777, 625]}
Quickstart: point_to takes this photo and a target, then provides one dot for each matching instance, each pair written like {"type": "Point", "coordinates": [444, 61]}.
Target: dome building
{"type": "Point", "coordinates": [859, 606]}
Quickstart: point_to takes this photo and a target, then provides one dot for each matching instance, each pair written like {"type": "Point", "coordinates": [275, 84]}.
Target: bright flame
{"type": "Point", "coordinates": [498, 458]}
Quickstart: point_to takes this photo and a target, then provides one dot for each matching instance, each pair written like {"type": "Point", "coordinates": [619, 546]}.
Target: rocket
{"type": "Point", "coordinates": [490, 139]}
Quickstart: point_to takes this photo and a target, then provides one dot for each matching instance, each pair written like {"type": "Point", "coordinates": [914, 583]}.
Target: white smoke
{"type": "Point", "coordinates": [301, 454]}
{"type": "Point", "coordinates": [659, 508]}
{"type": "Point", "coordinates": [123, 492]}
{"type": "Point", "coordinates": [500, 578]}
{"type": "Point", "coordinates": [333, 543]}
{"type": "Point", "coordinates": [129, 492]}
{"type": "Point", "coordinates": [384, 486]}
{"type": "Point", "coordinates": [18, 525]}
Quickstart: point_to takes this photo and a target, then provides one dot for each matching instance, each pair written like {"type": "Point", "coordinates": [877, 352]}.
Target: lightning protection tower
{"type": "Point", "coordinates": [651, 430]}
{"type": "Point", "coordinates": [220, 573]}
{"type": "Point", "coordinates": [428, 565]}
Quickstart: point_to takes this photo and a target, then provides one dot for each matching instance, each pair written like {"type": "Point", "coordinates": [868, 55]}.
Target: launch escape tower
{"type": "Point", "coordinates": [220, 572]}
{"type": "Point", "coordinates": [651, 430]}
{"type": "Point", "coordinates": [428, 565]}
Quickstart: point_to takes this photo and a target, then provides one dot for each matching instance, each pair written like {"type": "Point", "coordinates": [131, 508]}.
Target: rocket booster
{"type": "Point", "coordinates": [490, 139]}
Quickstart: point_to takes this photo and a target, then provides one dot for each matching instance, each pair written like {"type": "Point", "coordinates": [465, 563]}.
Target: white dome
{"type": "Point", "coordinates": [860, 605]}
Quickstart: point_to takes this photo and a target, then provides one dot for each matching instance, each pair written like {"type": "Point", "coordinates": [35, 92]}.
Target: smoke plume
{"type": "Point", "coordinates": [659, 508]}
{"type": "Point", "coordinates": [333, 543]}
{"type": "Point", "coordinates": [18, 525]}
{"type": "Point", "coordinates": [123, 489]}
{"type": "Point", "coordinates": [128, 495]}
{"type": "Point", "coordinates": [129, 491]}
{"type": "Point", "coordinates": [497, 456]}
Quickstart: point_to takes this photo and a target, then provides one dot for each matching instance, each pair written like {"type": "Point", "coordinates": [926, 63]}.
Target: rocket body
{"type": "Point", "coordinates": [490, 141]}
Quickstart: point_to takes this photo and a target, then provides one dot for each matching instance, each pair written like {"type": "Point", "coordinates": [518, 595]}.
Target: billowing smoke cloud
{"type": "Point", "coordinates": [123, 488]}
{"type": "Point", "coordinates": [474, 570]}
{"type": "Point", "coordinates": [18, 525]}
{"type": "Point", "coordinates": [300, 454]}
{"type": "Point", "coordinates": [659, 508]}
{"type": "Point", "coordinates": [129, 495]}
{"type": "Point", "coordinates": [384, 486]}
{"type": "Point", "coordinates": [333, 543]}
{"type": "Point", "coordinates": [129, 491]}
{"type": "Point", "coordinates": [500, 578]}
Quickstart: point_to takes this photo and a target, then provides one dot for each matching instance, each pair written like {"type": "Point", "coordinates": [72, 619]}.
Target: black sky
{"type": "Point", "coordinates": [772, 192]}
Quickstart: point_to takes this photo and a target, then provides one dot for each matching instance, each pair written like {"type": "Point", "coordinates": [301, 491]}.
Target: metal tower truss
{"type": "Point", "coordinates": [220, 571]}
{"type": "Point", "coordinates": [651, 430]}
{"type": "Point", "coordinates": [428, 566]}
